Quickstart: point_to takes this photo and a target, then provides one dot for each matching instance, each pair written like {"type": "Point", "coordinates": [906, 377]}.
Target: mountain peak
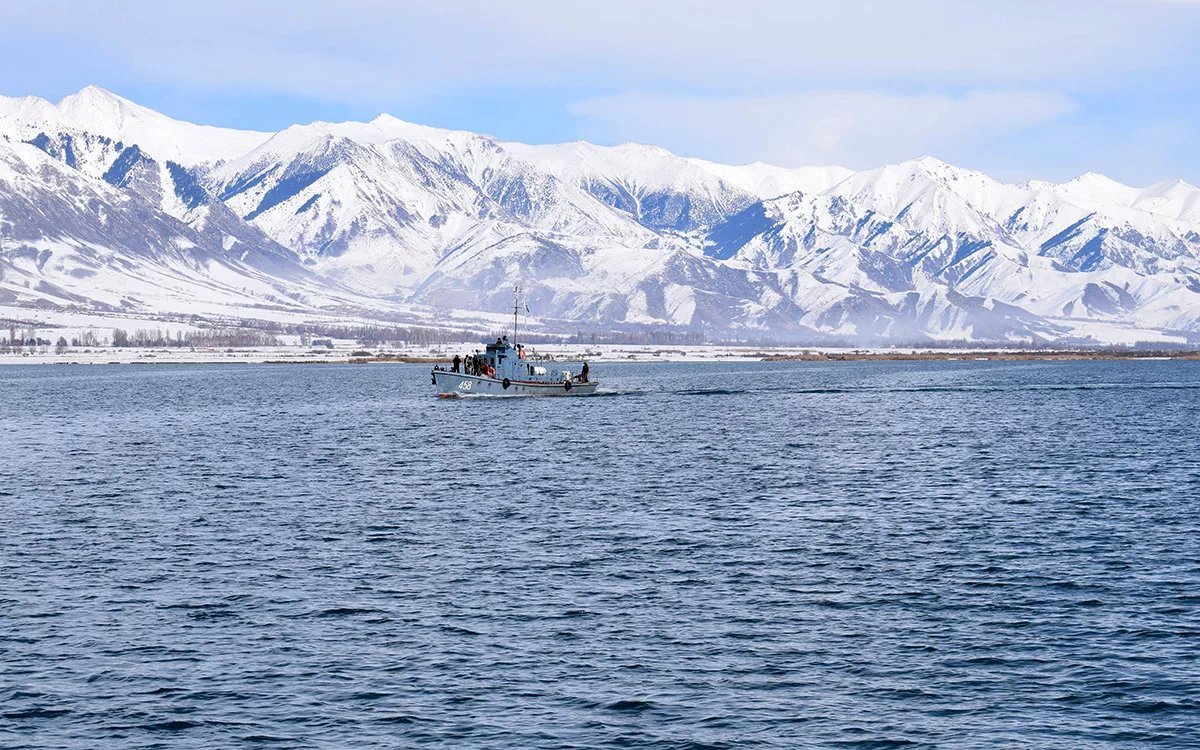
{"type": "Point", "coordinates": [1170, 186]}
{"type": "Point", "coordinates": [384, 119]}
{"type": "Point", "coordinates": [1097, 180]}
{"type": "Point", "coordinates": [29, 108]}
{"type": "Point", "coordinates": [934, 166]}
{"type": "Point", "coordinates": [103, 111]}
{"type": "Point", "coordinates": [922, 170]}
{"type": "Point", "coordinates": [1087, 177]}
{"type": "Point", "coordinates": [390, 126]}
{"type": "Point", "coordinates": [94, 100]}
{"type": "Point", "coordinates": [645, 149]}
{"type": "Point", "coordinates": [1093, 187]}
{"type": "Point", "coordinates": [930, 161]}
{"type": "Point", "coordinates": [99, 110]}
{"type": "Point", "coordinates": [92, 91]}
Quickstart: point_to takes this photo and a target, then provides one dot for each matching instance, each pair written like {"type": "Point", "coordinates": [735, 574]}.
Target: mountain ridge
{"type": "Point", "coordinates": [388, 211]}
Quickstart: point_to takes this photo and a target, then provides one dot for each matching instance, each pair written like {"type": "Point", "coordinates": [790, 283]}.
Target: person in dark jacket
{"type": "Point", "coordinates": [456, 362]}
{"type": "Point", "coordinates": [584, 374]}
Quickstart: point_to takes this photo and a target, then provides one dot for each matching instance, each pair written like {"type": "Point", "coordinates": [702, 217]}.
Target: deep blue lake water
{"type": "Point", "coordinates": [955, 554]}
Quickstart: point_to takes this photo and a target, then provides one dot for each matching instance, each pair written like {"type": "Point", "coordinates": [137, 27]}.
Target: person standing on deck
{"type": "Point", "coordinates": [456, 362]}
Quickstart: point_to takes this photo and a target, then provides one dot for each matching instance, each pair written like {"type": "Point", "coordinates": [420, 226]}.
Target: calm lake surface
{"type": "Point", "coordinates": [953, 554]}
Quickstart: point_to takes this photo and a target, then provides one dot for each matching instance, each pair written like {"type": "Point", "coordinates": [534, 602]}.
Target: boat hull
{"type": "Point", "coordinates": [460, 384]}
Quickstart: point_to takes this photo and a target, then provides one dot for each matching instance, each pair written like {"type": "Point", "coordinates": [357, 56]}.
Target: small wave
{"type": "Point", "coordinates": [35, 713]}
{"type": "Point", "coordinates": [199, 606]}
{"type": "Point", "coordinates": [631, 706]}
{"type": "Point", "coordinates": [166, 725]}
{"type": "Point", "coordinates": [344, 612]}
{"type": "Point", "coordinates": [822, 390]}
{"type": "Point", "coordinates": [171, 725]}
{"type": "Point", "coordinates": [399, 719]}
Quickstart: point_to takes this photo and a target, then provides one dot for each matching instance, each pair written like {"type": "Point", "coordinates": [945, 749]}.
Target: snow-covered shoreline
{"type": "Point", "coordinates": [349, 353]}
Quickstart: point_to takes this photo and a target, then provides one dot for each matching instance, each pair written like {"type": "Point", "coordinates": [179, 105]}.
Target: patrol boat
{"type": "Point", "coordinates": [503, 370]}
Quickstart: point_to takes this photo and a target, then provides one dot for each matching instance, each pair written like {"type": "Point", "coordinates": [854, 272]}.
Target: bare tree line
{"type": "Point", "coordinates": [227, 337]}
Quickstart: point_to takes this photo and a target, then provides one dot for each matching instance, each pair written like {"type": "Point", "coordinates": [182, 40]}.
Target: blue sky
{"type": "Point", "coordinates": [1020, 89]}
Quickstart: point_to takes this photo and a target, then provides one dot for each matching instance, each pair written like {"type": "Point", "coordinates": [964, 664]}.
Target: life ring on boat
{"type": "Point", "coordinates": [566, 385]}
{"type": "Point", "coordinates": [491, 372]}
{"type": "Point", "coordinates": [506, 384]}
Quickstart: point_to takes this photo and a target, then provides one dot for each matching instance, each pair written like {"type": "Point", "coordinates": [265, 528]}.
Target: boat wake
{"type": "Point", "coordinates": [713, 392]}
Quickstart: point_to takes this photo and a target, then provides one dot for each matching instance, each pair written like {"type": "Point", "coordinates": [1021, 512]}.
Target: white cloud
{"type": "Point", "coordinates": [854, 128]}
{"type": "Point", "coordinates": [367, 51]}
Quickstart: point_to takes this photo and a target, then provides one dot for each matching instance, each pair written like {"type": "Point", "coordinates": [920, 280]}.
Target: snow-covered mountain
{"type": "Point", "coordinates": [107, 204]}
{"type": "Point", "coordinates": [70, 240]}
{"type": "Point", "coordinates": [1067, 254]}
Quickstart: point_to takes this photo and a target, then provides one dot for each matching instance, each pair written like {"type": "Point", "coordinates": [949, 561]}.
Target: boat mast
{"type": "Point", "coordinates": [516, 305]}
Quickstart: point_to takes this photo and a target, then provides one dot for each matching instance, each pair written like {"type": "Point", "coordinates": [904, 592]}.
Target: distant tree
{"type": "Point", "coordinates": [60, 346]}
{"type": "Point", "coordinates": [120, 337]}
